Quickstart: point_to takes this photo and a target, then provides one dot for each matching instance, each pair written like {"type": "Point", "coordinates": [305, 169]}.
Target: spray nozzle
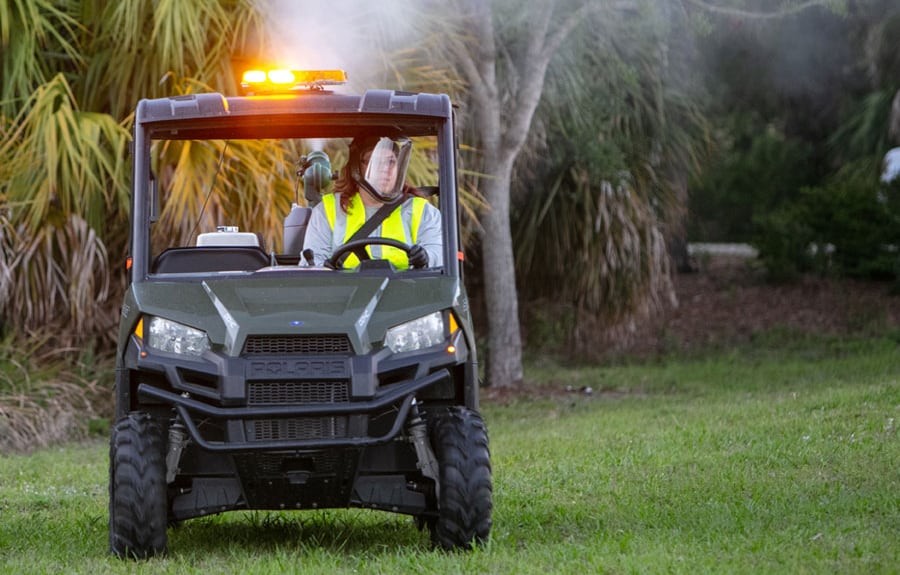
{"type": "Point", "coordinates": [315, 169]}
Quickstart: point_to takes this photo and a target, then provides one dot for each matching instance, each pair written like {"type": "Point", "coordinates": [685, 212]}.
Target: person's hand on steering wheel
{"type": "Point", "coordinates": [416, 254]}
{"type": "Point", "coordinates": [418, 257]}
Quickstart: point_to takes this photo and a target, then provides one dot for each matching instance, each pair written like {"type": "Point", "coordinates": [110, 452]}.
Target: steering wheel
{"type": "Point", "coordinates": [358, 248]}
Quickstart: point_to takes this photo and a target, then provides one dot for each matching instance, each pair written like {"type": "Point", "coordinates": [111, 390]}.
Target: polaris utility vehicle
{"type": "Point", "coordinates": [252, 378]}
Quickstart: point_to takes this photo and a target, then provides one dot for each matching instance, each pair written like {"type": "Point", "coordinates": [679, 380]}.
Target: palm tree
{"type": "Point", "coordinates": [605, 194]}
{"type": "Point", "coordinates": [73, 71]}
{"type": "Point", "coordinates": [591, 170]}
{"type": "Point", "coordinates": [65, 102]}
{"type": "Point", "coordinates": [502, 50]}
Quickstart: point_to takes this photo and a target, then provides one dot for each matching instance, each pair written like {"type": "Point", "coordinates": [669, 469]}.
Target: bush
{"type": "Point", "coordinates": [759, 170]}
{"type": "Point", "coordinates": [846, 227]}
{"type": "Point", "coordinates": [53, 396]}
{"type": "Point", "coordinates": [783, 241]}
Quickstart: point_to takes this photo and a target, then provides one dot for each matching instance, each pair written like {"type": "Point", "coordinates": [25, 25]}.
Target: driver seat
{"type": "Point", "coordinates": [295, 224]}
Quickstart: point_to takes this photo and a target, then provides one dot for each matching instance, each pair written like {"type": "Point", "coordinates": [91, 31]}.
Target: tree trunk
{"type": "Point", "coordinates": [504, 365]}
{"type": "Point", "coordinates": [502, 124]}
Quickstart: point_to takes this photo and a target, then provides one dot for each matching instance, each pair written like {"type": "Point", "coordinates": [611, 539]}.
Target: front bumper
{"type": "Point", "coordinates": [289, 402]}
{"type": "Point", "coordinates": [399, 395]}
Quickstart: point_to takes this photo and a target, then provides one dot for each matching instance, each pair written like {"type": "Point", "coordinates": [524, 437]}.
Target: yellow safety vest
{"type": "Point", "coordinates": [391, 228]}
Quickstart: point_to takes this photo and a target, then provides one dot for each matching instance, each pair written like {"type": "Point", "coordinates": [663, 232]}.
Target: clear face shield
{"type": "Point", "coordinates": [386, 168]}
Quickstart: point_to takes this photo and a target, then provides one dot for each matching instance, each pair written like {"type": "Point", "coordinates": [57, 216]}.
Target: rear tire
{"type": "Point", "coordinates": [137, 488]}
{"type": "Point", "coordinates": [460, 442]}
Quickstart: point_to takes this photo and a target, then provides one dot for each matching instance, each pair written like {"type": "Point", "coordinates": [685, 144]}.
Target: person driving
{"type": "Point", "coordinates": [375, 176]}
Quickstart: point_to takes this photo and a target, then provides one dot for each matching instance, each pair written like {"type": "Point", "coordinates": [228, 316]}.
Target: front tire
{"type": "Point", "coordinates": [460, 442]}
{"type": "Point", "coordinates": [137, 488]}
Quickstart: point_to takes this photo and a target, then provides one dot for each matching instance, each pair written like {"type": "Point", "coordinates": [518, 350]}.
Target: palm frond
{"type": "Point", "coordinates": [247, 183]}
{"type": "Point", "coordinates": [148, 49]}
{"type": "Point", "coordinates": [38, 39]}
{"type": "Point", "coordinates": [61, 161]}
{"type": "Point", "coordinates": [53, 277]}
{"type": "Point", "coordinates": [600, 182]}
{"type": "Point", "coordinates": [66, 104]}
{"type": "Point", "coordinates": [8, 244]}
{"type": "Point", "coordinates": [865, 131]}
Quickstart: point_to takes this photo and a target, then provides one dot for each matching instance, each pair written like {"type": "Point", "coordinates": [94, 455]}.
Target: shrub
{"type": "Point", "coordinates": [759, 170]}
{"type": "Point", "coordinates": [848, 227]}
{"type": "Point", "coordinates": [783, 240]}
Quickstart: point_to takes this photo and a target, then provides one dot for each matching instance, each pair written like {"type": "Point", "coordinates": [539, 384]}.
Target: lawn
{"type": "Point", "coordinates": [777, 460]}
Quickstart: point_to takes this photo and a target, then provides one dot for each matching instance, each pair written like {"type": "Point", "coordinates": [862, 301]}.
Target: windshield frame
{"type": "Point", "coordinates": [280, 124]}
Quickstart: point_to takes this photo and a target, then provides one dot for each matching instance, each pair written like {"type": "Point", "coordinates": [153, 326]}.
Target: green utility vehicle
{"type": "Point", "coordinates": [248, 380]}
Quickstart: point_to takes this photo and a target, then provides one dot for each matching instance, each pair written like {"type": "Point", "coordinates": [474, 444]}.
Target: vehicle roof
{"type": "Point", "coordinates": [306, 114]}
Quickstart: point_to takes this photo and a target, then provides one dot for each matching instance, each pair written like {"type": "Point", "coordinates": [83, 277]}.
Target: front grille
{"type": "Point", "coordinates": [293, 392]}
{"type": "Point", "coordinates": [298, 428]}
{"type": "Point", "coordinates": [268, 464]}
{"type": "Point", "coordinates": [297, 345]}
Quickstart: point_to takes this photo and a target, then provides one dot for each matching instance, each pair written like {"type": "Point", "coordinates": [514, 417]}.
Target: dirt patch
{"type": "Point", "coordinates": [727, 302]}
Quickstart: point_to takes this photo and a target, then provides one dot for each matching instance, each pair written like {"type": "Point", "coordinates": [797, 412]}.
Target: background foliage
{"type": "Point", "coordinates": [845, 227]}
{"type": "Point", "coordinates": [72, 72]}
{"type": "Point", "coordinates": [656, 118]}
{"type": "Point", "coordinates": [802, 107]}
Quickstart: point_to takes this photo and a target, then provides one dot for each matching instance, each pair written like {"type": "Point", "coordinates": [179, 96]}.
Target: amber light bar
{"type": "Point", "coordinates": [280, 80]}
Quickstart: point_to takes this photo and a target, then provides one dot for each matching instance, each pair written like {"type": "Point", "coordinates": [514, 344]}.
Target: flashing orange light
{"type": "Point", "coordinates": [280, 80]}
{"type": "Point", "coordinates": [254, 77]}
{"type": "Point", "coordinates": [451, 349]}
{"type": "Point", "coordinates": [281, 76]}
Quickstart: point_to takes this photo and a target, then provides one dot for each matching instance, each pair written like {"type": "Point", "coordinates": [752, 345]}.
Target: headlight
{"type": "Point", "coordinates": [166, 335]}
{"type": "Point", "coordinates": [416, 334]}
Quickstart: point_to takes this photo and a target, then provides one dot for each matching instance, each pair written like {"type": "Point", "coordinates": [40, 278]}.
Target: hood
{"type": "Point", "coordinates": [361, 307]}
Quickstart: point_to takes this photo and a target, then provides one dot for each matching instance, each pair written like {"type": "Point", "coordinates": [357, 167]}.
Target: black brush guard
{"type": "Point", "coordinates": [400, 394]}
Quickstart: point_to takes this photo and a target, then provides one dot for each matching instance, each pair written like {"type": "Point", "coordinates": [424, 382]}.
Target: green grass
{"type": "Point", "coordinates": [775, 460]}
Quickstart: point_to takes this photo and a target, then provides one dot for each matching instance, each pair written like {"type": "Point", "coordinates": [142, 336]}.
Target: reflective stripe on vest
{"type": "Point", "coordinates": [392, 227]}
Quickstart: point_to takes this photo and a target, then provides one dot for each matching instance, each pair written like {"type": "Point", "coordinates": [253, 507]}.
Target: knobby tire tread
{"type": "Point", "coordinates": [137, 488]}
{"type": "Point", "coordinates": [459, 438]}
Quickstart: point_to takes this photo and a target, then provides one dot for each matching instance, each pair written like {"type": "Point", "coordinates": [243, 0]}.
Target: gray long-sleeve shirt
{"type": "Point", "coordinates": [322, 240]}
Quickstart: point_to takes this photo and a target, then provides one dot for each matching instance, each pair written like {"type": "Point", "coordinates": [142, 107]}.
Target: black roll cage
{"type": "Point", "coordinates": [213, 116]}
